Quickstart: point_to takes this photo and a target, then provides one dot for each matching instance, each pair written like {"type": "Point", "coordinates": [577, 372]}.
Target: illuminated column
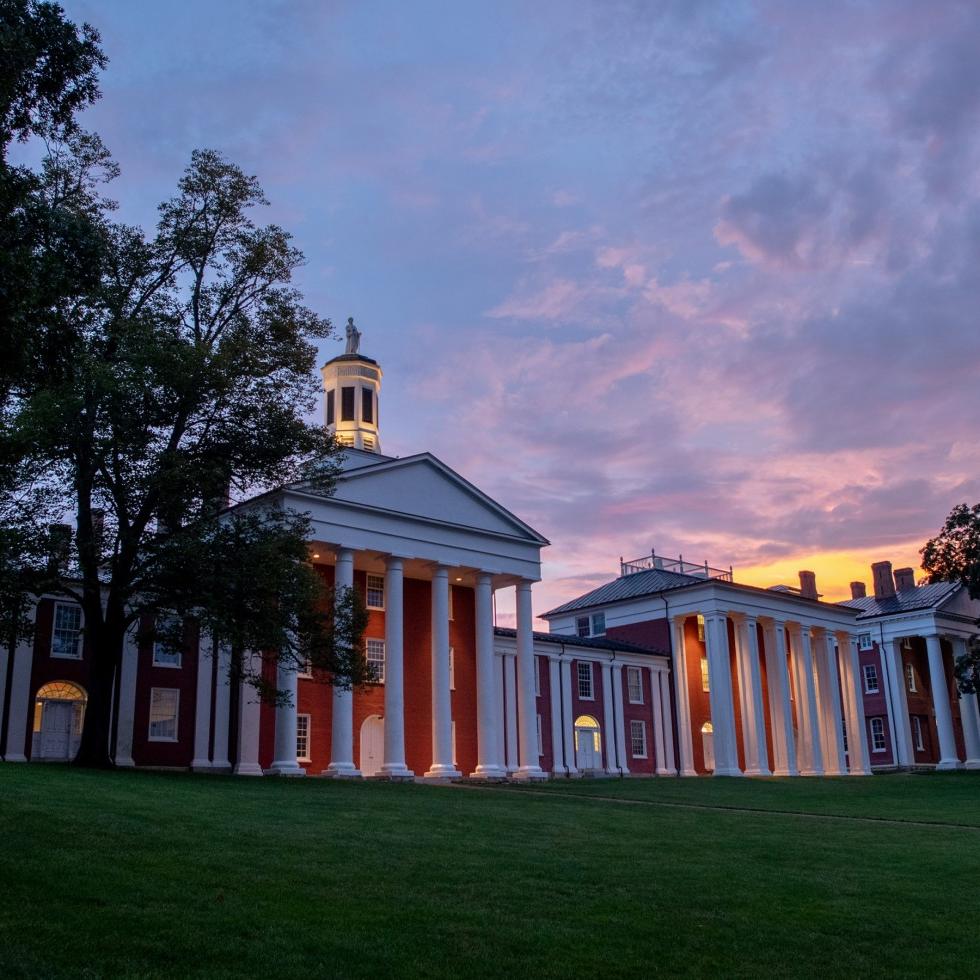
{"type": "Point", "coordinates": [829, 703]}
{"type": "Point", "coordinates": [657, 714]}
{"type": "Point", "coordinates": [608, 721]}
{"type": "Point", "coordinates": [342, 717]}
{"type": "Point", "coordinates": [685, 749]}
{"type": "Point", "coordinates": [720, 687]}
{"type": "Point", "coordinates": [859, 762]}
{"type": "Point", "coordinates": [554, 686]}
{"type": "Point", "coordinates": [567, 717]}
{"type": "Point", "coordinates": [127, 700]}
{"type": "Point", "coordinates": [668, 767]}
{"type": "Point", "coordinates": [969, 717]}
{"type": "Point", "coordinates": [20, 695]}
{"type": "Point", "coordinates": [750, 691]}
{"type": "Point", "coordinates": [510, 672]}
{"type": "Point", "coordinates": [249, 717]}
{"type": "Point", "coordinates": [202, 706]}
{"type": "Point", "coordinates": [487, 710]}
{"type": "Point", "coordinates": [806, 703]}
{"type": "Point", "coordinates": [898, 703]}
{"type": "Point", "coordinates": [442, 709]}
{"type": "Point", "coordinates": [499, 662]}
{"type": "Point", "coordinates": [222, 710]}
{"type": "Point", "coordinates": [284, 753]}
{"type": "Point", "coordinates": [394, 760]}
{"type": "Point", "coordinates": [620, 722]}
{"type": "Point", "coordinates": [527, 715]}
{"type": "Point", "coordinates": [780, 704]}
{"type": "Point", "coordinates": [940, 702]}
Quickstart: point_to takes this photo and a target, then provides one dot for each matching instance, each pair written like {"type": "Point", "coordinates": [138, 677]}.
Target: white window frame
{"type": "Point", "coordinates": [865, 642]}
{"type": "Point", "coordinates": [452, 668]}
{"type": "Point", "coordinates": [634, 673]}
{"type": "Point", "coordinates": [452, 614]}
{"type": "Point", "coordinates": [590, 681]}
{"type": "Point", "coordinates": [877, 726]}
{"type": "Point", "coordinates": [540, 740]}
{"type": "Point", "coordinates": [154, 694]}
{"type": "Point", "coordinates": [303, 756]}
{"type": "Point", "coordinates": [917, 738]}
{"type": "Point", "coordinates": [909, 670]}
{"type": "Point", "coordinates": [593, 628]}
{"type": "Point", "coordinates": [159, 648]}
{"type": "Point", "coordinates": [701, 627]}
{"type": "Point", "coordinates": [638, 727]}
{"type": "Point", "coordinates": [378, 665]}
{"type": "Point", "coordinates": [868, 689]}
{"type": "Point", "coordinates": [537, 677]}
{"type": "Point", "coordinates": [705, 675]}
{"type": "Point", "coordinates": [376, 588]}
{"type": "Point", "coordinates": [583, 626]}
{"type": "Point", "coordinates": [75, 607]}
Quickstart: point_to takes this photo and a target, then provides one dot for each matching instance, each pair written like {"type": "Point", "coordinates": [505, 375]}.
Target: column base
{"type": "Point", "coordinates": [16, 757]}
{"type": "Point", "coordinates": [341, 770]}
{"type": "Point", "coordinates": [757, 772]}
{"type": "Point", "coordinates": [528, 773]}
{"type": "Point", "coordinates": [248, 769]}
{"type": "Point", "coordinates": [811, 772]}
{"type": "Point", "coordinates": [666, 772]}
{"type": "Point", "coordinates": [947, 765]}
{"type": "Point", "coordinates": [290, 769]}
{"type": "Point", "coordinates": [729, 772]}
{"type": "Point", "coordinates": [489, 772]}
{"type": "Point", "coordinates": [406, 776]}
{"type": "Point", "coordinates": [689, 772]}
{"type": "Point", "coordinates": [442, 771]}
{"type": "Point", "coordinates": [972, 764]}
{"type": "Point", "coordinates": [395, 771]}
{"type": "Point", "coordinates": [197, 765]}
{"type": "Point", "coordinates": [859, 772]}
{"type": "Point", "coordinates": [786, 772]}
{"type": "Point", "coordinates": [124, 763]}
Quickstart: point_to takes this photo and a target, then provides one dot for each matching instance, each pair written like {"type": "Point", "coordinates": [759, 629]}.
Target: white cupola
{"type": "Point", "coordinates": [351, 392]}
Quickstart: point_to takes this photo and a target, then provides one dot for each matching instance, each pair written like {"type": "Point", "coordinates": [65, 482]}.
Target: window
{"type": "Point", "coordinates": [638, 739]}
{"type": "Point", "coordinates": [864, 641]}
{"type": "Point", "coordinates": [917, 733]}
{"type": "Point", "coordinates": [599, 624]}
{"type": "Point", "coordinates": [537, 677]}
{"type": "Point", "coordinates": [452, 669]}
{"type": "Point", "coordinates": [701, 629]}
{"type": "Point", "coordinates": [331, 411]}
{"type": "Point", "coordinates": [66, 639]}
{"type": "Point", "coordinates": [870, 679]}
{"type": "Point", "coordinates": [375, 592]}
{"type": "Point", "coordinates": [540, 742]}
{"type": "Point", "coordinates": [634, 685]}
{"type": "Point", "coordinates": [165, 654]}
{"type": "Point", "coordinates": [376, 660]}
{"type": "Point", "coordinates": [705, 686]}
{"type": "Point", "coordinates": [454, 740]}
{"type": "Point", "coordinates": [451, 616]}
{"type": "Point", "coordinates": [582, 626]}
{"type": "Point", "coordinates": [346, 404]}
{"type": "Point", "coordinates": [164, 703]}
{"type": "Point", "coordinates": [906, 642]}
{"type": "Point", "coordinates": [367, 406]}
{"type": "Point", "coordinates": [594, 625]}
{"type": "Point", "coordinates": [585, 680]}
{"type": "Point", "coordinates": [302, 738]}
{"type": "Point", "coordinates": [877, 735]}
{"type": "Point", "coordinates": [305, 670]}
{"type": "Point", "coordinates": [910, 678]}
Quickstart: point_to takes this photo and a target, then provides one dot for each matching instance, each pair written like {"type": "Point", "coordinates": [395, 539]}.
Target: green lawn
{"type": "Point", "coordinates": [153, 874]}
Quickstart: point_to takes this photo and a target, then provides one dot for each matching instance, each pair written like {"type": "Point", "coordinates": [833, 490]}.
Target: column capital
{"type": "Point", "coordinates": [484, 578]}
{"type": "Point", "coordinates": [394, 562]}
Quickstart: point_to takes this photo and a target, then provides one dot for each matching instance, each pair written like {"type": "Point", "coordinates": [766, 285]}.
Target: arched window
{"type": "Point", "coordinates": [61, 691]}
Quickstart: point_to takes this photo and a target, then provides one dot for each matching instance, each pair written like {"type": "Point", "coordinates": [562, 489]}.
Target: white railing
{"type": "Point", "coordinates": [653, 560]}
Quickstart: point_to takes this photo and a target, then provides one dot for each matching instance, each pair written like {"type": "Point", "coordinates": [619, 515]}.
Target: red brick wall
{"type": "Point", "coordinates": [876, 706]}
{"type": "Point", "coordinates": [640, 712]}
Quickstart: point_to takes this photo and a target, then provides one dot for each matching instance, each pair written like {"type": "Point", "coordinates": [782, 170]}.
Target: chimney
{"type": "Point", "coordinates": [808, 585]}
{"type": "Point", "coordinates": [881, 573]}
{"type": "Point", "coordinates": [59, 545]}
{"type": "Point", "coordinates": [904, 579]}
{"type": "Point", "coordinates": [858, 591]}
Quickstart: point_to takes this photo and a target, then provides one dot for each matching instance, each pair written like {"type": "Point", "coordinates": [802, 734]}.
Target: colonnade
{"type": "Point", "coordinates": [817, 670]}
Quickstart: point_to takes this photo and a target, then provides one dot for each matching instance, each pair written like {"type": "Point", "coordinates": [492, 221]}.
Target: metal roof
{"type": "Point", "coordinates": [590, 642]}
{"type": "Point", "coordinates": [630, 587]}
{"type": "Point", "coordinates": [908, 600]}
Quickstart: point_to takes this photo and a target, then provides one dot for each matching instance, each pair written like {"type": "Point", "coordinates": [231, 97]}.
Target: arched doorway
{"type": "Point", "coordinates": [708, 745]}
{"type": "Point", "coordinates": [59, 710]}
{"type": "Point", "coordinates": [588, 744]}
{"type": "Point", "coordinates": [372, 745]}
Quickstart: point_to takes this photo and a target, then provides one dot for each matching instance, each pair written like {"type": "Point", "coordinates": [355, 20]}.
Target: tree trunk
{"type": "Point", "coordinates": [94, 750]}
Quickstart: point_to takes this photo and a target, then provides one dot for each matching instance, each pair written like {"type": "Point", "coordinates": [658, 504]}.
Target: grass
{"type": "Point", "coordinates": [155, 874]}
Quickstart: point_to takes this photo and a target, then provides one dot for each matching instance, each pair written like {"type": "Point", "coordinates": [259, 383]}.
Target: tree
{"type": "Point", "coordinates": [954, 556]}
{"type": "Point", "coordinates": [180, 377]}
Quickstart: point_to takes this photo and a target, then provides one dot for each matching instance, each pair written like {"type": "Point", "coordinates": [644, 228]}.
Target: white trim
{"type": "Point", "coordinates": [637, 673]}
{"type": "Point", "coordinates": [452, 673]}
{"type": "Point", "coordinates": [908, 669]}
{"type": "Point", "coordinates": [309, 737]}
{"type": "Point", "coordinates": [864, 672]}
{"type": "Point", "coordinates": [150, 737]}
{"type": "Point", "coordinates": [368, 589]}
{"type": "Point", "coordinates": [643, 732]}
{"type": "Point", "coordinates": [379, 677]}
{"type": "Point", "coordinates": [874, 734]}
{"type": "Point", "coordinates": [579, 664]}
{"type": "Point", "coordinates": [79, 643]}
{"type": "Point", "coordinates": [917, 739]}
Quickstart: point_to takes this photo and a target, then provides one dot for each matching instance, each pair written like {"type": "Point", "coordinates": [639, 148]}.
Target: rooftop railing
{"type": "Point", "coordinates": [653, 560]}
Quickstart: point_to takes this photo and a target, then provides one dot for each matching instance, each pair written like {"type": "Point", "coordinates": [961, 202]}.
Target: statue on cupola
{"type": "Point", "coordinates": [351, 389]}
{"type": "Point", "coordinates": [353, 337]}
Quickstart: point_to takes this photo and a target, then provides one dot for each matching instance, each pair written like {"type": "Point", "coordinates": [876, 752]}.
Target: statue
{"type": "Point", "coordinates": [353, 337]}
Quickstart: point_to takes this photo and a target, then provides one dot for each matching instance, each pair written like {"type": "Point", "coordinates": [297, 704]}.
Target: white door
{"type": "Point", "coordinates": [585, 749]}
{"type": "Point", "coordinates": [56, 719]}
{"type": "Point", "coordinates": [708, 744]}
{"type": "Point", "coordinates": [372, 745]}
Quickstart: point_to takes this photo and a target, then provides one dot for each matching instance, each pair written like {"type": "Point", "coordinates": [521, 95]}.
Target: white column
{"type": "Point", "coordinates": [657, 714]}
{"type": "Point", "coordinates": [557, 748]}
{"type": "Point", "coordinates": [685, 748]}
{"type": "Point", "coordinates": [608, 722]}
{"type": "Point", "coordinates": [750, 690]}
{"type": "Point", "coordinates": [222, 707]}
{"type": "Point", "coordinates": [948, 758]}
{"type": "Point", "coordinates": [510, 679]}
{"type": "Point", "coordinates": [780, 703]}
{"type": "Point", "coordinates": [567, 715]}
{"type": "Point", "coordinates": [442, 708]}
{"type": "Point", "coordinates": [202, 703]}
{"type": "Point", "coordinates": [859, 761]}
{"type": "Point", "coordinates": [284, 753]}
{"type": "Point", "coordinates": [899, 705]}
{"type": "Point", "coordinates": [806, 704]}
{"type": "Point", "coordinates": [20, 694]}
{"type": "Point", "coordinates": [969, 716]}
{"type": "Point", "coordinates": [499, 662]}
{"type": "Point", "coordinates": [489, 763]}
{"type": "Point", "coordinates": [394, 766]}
{"type": "Point", "coordinates": [829, 704]}
{"type": "Point", "coordinates": [720, 687]}
{"type": "Point", "coordinates": [668, 766]}
{"type": "Point", "coordinates": [527, 714]}
{"type": "Point", "coordinates": [249, 717]}
{"type": "Point", "coordinates": [617, 686]}
{"type": "Point", "coordinates": [127, 700]}
{"type": "Point", "coordinates": [342, 716]}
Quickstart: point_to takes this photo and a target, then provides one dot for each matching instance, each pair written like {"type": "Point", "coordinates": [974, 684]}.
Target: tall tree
{"type": "Point", "coordinates": [954, 556]}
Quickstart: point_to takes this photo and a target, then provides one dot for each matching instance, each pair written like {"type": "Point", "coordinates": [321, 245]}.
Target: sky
{"type": "Point", "coordinates": [698, 277]}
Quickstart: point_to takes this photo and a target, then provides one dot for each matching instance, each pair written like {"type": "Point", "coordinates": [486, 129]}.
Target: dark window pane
{"type": "Point", "coordinates": [346, 404]}
{"type": "Point", "coordinates": [367, 406]}
{"type": "Point", "coordinates": [330, 407]}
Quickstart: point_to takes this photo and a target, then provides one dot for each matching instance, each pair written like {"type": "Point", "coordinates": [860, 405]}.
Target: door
{"type": "Point", "coordinates": [708, 744]}
{"type": "Point", "coordinates": [586, 755]}
{"type": "Point", "coordinates": [372, 745]}
{"type": "Point", "coordinates": [56, 721]}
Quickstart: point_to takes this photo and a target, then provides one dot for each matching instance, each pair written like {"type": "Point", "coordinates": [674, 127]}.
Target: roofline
{"type": "Point", "coordinates": [594, 642]}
